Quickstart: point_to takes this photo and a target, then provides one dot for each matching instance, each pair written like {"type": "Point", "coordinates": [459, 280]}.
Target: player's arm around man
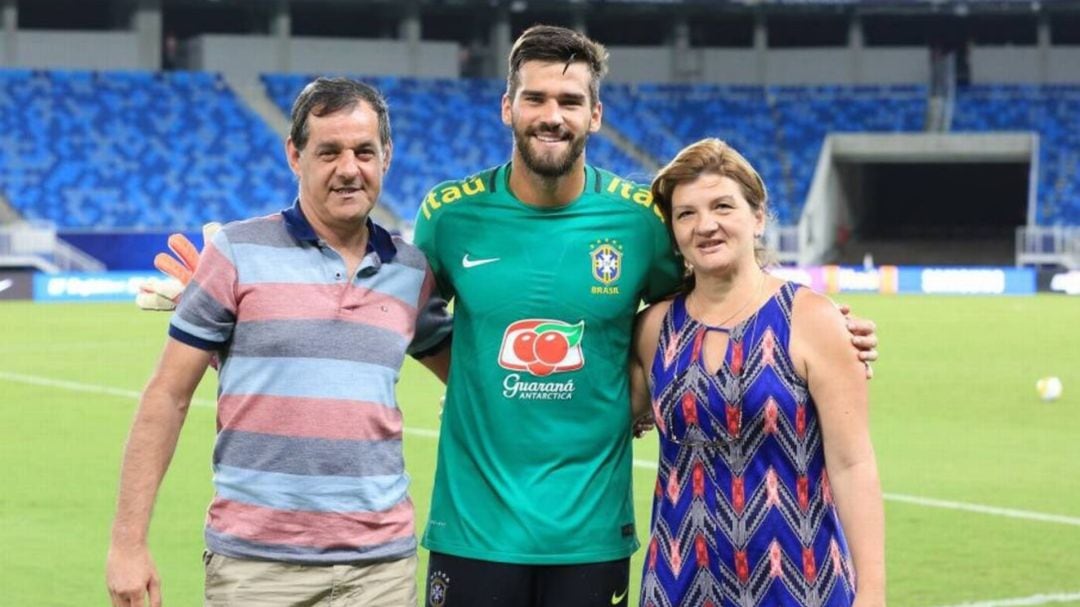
{"type": "Point", "coordinates": [130, 573]}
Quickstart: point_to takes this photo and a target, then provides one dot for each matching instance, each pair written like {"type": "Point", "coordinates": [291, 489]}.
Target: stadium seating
{"type": "Point", "coordinates": [779, 129]}
{"type": "Point", "coordinates": [807, 114]}
{"type": "Point", "coordinates": [105, 150]}
{"type": "Point", "coordinates": [662, 118]}
{"type": "Point", "coordinates": [1051, 111]}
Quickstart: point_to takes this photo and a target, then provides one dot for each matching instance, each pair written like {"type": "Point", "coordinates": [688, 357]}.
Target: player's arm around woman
{"type": "Point", "coordinates": [821, 350]}
{"type": "Point", "coordinates": [643, 348]}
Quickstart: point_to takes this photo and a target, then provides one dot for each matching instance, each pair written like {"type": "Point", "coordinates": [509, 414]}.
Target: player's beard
{"type": "Point", "coordinates": [550, 166]}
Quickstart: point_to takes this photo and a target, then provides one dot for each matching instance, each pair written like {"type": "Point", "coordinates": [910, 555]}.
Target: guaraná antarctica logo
{"type": "Point", "coordinates": [541, 347]}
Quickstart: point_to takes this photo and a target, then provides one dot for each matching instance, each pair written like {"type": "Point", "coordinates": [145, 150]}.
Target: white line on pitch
{"type": "Point", "coordinates": [639, 463]}
{"type": "Point", "coordinates": [646, 464]}
{"type": "Point", "coordinates": [1037, 599]}
{"type": "Point", "coordinates": [1006, 512]}
{"type": "Point", "coordinates": [75, 386]}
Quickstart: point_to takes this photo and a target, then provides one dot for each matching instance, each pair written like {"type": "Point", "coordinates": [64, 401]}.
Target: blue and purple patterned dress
{"type": "Point", "coordinates": [742, 512]}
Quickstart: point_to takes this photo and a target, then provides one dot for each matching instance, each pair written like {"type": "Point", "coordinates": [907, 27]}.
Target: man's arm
{"type": "Point", "coordinates": [642, 350]}
{"type": "Point", "coordinates": [438, 363]}
{"type": "Point", "coordinates": [130, 571]}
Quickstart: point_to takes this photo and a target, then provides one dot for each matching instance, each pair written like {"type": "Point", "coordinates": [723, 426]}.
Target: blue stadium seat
{"type": "Point", "coordinates": [146, 150]}
{"type": "Point", "coordinates": [779, 129]}
{"type": "Point", "coordinates": [171, 150]}
{"type": "Point", "coordinates": [1053, 111]}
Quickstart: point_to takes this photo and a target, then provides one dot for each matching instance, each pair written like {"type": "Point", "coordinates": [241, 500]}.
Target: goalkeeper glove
{"type": "Point", "coordinates": [163, 294]}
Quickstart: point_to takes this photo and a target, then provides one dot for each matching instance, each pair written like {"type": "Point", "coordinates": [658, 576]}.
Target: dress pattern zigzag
{"type": "Point", "coordinates": [742, 510]}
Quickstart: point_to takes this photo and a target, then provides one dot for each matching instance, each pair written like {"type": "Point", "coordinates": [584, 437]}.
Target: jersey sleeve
{"type": "Point", "coordinates": [426, 237]}
{"type": "Point", "coordinates": [433, 321]}
{"type": "Point", "coordinates": [206, 315]}
{"type": "Point", "coordinates": [666, 271]}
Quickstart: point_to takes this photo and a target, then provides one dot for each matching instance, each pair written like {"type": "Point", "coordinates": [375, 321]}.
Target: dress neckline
{"type": "Point", "coordinates": [731, 329]}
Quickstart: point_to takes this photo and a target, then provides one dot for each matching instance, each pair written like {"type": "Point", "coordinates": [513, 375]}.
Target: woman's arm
{"type": "Point", "coordinates": [821, 348]}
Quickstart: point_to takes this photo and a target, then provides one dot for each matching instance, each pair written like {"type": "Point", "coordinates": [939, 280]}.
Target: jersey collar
{"type": "Point", "coordinates": [379, 239]}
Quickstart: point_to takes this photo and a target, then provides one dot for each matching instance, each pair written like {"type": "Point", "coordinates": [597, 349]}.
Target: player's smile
{"type": "Point", "coordinates": [550, 138]}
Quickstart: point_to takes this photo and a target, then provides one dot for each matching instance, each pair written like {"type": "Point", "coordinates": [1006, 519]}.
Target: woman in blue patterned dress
{"type": "Point", "coordinates": [767, 492]}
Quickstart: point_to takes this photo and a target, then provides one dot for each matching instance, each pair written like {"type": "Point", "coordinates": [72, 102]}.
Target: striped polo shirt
{"type": "Point", "coordinates": [308, 466]}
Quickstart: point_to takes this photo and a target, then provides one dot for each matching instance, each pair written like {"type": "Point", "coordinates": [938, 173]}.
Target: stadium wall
{"type": "Point", "coordinates": [76, 50]}
{"type": "Point", "coordinates": [124, 250]}
{"type": "Point", "coordinates": [641, 64]}
{"type": "Point", "coordinates": [248, 55]}
{"type": "Point", "coordinates": [1019, 65]}
{"type": "Point", "coordinates": [631, 64]}
{"type": "Point", "coordinates": [245, 56]}
{"type": "Point", "coordinates": [1063, 64]}
{"type": "Point", "coordinates": [1007, 64]}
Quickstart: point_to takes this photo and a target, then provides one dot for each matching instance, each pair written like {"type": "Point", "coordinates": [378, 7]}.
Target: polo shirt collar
{"type": "Point", "coordinates": [379, 240]}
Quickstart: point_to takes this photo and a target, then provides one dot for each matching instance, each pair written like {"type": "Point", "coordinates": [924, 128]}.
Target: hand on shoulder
{"type": "Point", "coordinates": [819, 335]}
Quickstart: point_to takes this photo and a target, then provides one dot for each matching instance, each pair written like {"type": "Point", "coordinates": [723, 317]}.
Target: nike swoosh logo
{"type": "Point", "coordinates": [617, 598]}
{"type": "Point", "coordinates": [6, 284]}
{"type": "Point", "coordinates": [472, 263]}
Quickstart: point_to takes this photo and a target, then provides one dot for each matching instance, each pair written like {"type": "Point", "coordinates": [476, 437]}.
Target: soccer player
{"type": "Point", "coordinates": [548, 259]}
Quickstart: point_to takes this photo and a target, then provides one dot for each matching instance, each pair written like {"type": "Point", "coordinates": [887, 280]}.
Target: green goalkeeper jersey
{"type": "Point", "coordinates": [534, 460]}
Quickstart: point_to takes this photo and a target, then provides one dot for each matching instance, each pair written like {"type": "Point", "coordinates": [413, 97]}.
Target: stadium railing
{"type": "Point", "coordinates": [1048, 245]}
{"type": "Point", "coordinates": [36, 245]}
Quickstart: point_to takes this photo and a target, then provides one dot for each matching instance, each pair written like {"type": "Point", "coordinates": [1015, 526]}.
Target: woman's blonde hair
{"type": "Point", "coordinates": [715, 157]}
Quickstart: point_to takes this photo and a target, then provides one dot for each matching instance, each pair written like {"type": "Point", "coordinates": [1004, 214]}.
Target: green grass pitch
{"type": "Point", "coordinates": [954, 409]}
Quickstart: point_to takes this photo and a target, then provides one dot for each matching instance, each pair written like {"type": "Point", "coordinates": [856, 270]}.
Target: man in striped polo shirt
{"type": "Point", "coordinates": [311, 312]}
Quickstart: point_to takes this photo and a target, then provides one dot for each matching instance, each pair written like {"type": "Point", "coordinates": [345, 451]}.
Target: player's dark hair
{"type": "Point", "coordinates": [325, 96]}
{"type": "Point", "coordinates": [558, 45]}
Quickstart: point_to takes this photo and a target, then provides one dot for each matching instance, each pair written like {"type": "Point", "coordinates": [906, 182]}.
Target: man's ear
{"type": "Point", "coordinates": [597, 117]}
{"type": "Point", "coordinates": [292, 154]}
{"type": "Point", "coordinates": [507, 110]}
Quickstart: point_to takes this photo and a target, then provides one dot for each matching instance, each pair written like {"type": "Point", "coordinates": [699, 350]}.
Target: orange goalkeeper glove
{"type": "Point", "coordinates": [162, 294]}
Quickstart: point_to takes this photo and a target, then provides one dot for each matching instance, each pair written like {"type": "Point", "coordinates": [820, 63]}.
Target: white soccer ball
{"type": "Point", "coordinates": [1049, 388]}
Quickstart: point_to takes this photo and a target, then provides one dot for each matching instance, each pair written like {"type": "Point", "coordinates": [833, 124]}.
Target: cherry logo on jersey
{"type": "Point", "coordinates": [542, 346]}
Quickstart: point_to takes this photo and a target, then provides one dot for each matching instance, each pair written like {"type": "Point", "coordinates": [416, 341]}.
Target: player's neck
{"type": "Point", "coordinates": [541, 191]}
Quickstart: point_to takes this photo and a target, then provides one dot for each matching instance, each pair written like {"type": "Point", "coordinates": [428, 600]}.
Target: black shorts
{"type": "Point", "coordinates": [454, 581]}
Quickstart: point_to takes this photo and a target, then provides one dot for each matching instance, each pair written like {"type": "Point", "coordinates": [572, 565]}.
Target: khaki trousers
{"type": "Point", "coordinates": [240, 582]}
